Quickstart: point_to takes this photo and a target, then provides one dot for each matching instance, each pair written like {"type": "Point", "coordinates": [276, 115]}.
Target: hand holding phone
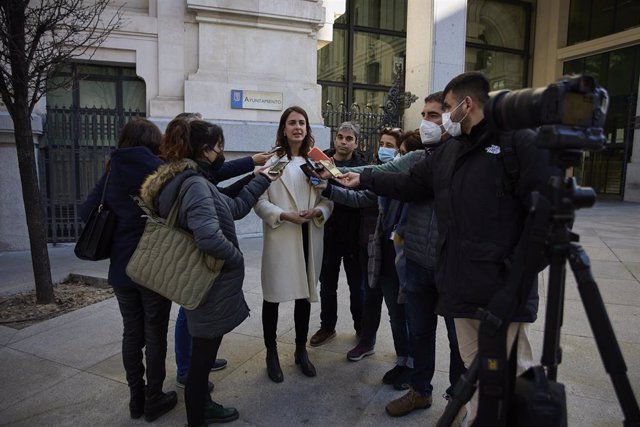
{"type": "Point", "coordinates": [276, 149]}
{"type": "Point", "coordinates": [279, 166]}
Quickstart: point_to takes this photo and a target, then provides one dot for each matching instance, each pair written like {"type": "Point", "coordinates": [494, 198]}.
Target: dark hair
{"type": "Point", "coordinates": [281, 140]}
{"type": "Point", "coordinates": [189, 139]}
{"type": "Point", "coordinates": [411, 141]}
{"type": "Point", "coordinates": [394, 132]}
{"type": "Point", "coordinates": [472, 83]}
{"type": "Point", "coordinates": [189, 116]}
{"type": "Point", "coordinates": [140, 132]}
{"type": "Point", "coordinates": [435, 97]}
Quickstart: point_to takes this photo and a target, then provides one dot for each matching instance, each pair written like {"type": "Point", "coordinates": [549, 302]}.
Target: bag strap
{"type": "Point", "coordinates": [104, 191]}
{"type": "Point", "coordinates": [175, 208]}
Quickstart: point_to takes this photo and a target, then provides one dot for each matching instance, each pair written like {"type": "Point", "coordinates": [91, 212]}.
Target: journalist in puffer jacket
{"type": "Point", "coordinates": [209, 216]}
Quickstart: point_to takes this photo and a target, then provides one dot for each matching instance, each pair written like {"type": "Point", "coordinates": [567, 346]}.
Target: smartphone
{"type": "Point", "coordinates": [278, 166]}
{"type": "Point", "coordinates": [308, 170]}
{"type": "Point", "coordinates": [275, 149]}
{"type": "Point", "coordinates": [317, 155]}
{"type": "Point", "coordinates": [333, 170]}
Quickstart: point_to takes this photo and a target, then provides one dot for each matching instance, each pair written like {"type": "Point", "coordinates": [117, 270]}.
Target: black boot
{"type": "Point", "coordinates": [157, 404]}
{"type": "Point", "coordinates": [302, 359]}
{"type": "Point", "coordinates": [273, 365]}
{"type": "Point", "coordinates": [136, 401]}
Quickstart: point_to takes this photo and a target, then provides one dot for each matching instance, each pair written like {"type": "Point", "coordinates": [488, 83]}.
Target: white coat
{"type": "Point", "coordinates": [283, 267]}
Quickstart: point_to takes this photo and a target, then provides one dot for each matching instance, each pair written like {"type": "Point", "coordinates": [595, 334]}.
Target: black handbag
{"type": "Point", "coordinates": [95, 241]}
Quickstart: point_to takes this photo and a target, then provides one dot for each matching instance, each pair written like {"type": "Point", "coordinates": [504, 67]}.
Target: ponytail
{"type": "Point", "coordinates": [176, 142]}
{"type": "Point", "coordinates": [188, 139]}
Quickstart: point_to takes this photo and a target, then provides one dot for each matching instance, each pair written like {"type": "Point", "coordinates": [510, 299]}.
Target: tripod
{"type": "Point", "coordinates": [563, 197]}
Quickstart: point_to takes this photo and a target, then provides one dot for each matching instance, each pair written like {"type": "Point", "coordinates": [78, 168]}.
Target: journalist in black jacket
{"type": "Point", "coordinates": [341, 245]}
{"type": "Point", "coordinates": [479, 222]}
{"type": "Point", "coordinates": [480, 209]}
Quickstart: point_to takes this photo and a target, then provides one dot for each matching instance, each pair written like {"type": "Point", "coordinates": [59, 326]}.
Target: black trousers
{"type": "Point", "coordinates": [301, 315]}
{"type": "Point", "coordinates": [196, 391]}
{"type": "Point", "coordinates": [336, 251]}
{"type": "Point", "coordinates": [145, 318]}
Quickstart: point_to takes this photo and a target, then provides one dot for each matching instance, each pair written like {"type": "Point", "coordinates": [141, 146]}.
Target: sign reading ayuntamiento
{"type": "Point", "coordinates": [255, 100]}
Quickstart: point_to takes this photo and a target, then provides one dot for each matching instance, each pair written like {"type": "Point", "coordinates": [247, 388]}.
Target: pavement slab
{"type": "Point", "coordinates": [67, 371]}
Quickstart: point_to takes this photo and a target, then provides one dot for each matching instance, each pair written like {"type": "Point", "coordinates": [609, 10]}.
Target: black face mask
{"type": "Point", "coordinates": [218, 162]}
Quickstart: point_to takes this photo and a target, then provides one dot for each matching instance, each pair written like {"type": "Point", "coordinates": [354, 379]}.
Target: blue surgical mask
{"type": "Point", "coordinates": [386, 154]}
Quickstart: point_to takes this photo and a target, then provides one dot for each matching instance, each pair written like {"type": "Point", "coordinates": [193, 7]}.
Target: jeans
{"type": "Point", "coordinates": [336, 251]}
{"type": "Point", "coordinates": [387, 289]}
{"type": "Point", "coordinates": [145, 319]}
{"type": "Point", "coordinates": [182, 343]}
{"type": "Point", "coordinates": [422, 298]}
{"type": "Point", "coordinates": [196, 391]}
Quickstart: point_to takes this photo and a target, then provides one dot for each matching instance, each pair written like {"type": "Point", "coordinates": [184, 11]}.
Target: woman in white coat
{"type": "Point", "coordinates": [293, 214]}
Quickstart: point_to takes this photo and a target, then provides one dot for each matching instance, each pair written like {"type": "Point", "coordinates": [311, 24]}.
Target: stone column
{"type": "Point", "coordinates": [171, 60]}
{"type": "Point", "coordinates": [632, 180]}
{"type": "Point", "coordinates": [436, 33]}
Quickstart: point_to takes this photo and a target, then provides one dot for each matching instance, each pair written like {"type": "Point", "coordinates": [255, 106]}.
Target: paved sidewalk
{"type": "Point", "coordinates": [68, 370]}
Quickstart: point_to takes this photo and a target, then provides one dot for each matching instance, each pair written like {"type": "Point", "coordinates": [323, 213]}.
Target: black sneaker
{"type": "Point", "coordinates": [181, 382]}
{"type": "Point", "coordinates": [393, 374]}
{"type": "Point", "coordinates": [156, 406]}
{"type": "Point", "coordinates": [216, 413]}
{"type": "Point", "coordinates": [403, 381]}
{"type": "Point", "coordinates": [219, 364]}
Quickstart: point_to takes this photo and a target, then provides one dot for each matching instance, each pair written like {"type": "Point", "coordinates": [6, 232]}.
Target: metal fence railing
{"type": "Point", "coordinates": [72, 157]}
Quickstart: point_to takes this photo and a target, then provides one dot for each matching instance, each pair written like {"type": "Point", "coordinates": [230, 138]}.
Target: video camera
{"type": "Point", "coordinates": [570, 112]}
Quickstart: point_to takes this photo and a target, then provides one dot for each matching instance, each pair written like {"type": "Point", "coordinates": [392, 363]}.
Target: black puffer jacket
{"type": "Point", "coordinates": [209, 216]}
{"type": "Point", "coordinates": [479, 224]}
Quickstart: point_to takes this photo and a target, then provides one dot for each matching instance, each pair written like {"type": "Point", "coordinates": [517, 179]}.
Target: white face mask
{"type": "Point", "coordinates": [430, 132]}
{"type": "Point", "coordinates": [452, 128]}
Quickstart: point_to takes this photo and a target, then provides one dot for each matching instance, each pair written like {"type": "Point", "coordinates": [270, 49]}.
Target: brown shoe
{"type": "Point", "coordinates": [321, 337]}
{"type": "Point", "coordinates": [407, 403]}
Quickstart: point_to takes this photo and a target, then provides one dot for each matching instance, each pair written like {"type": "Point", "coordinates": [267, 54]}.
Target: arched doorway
{"type": "Point", "coordinates": [82, 125]}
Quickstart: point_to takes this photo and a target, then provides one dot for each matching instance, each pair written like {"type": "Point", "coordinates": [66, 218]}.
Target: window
{"type": "Point", "coordinates": [369, 40]}
{"type": "Point", "coordinates": [590, 19]}
{"type": "Point", "coordinates": [617, 71]}
{"type": "Point", "coordinates": [498, 34]}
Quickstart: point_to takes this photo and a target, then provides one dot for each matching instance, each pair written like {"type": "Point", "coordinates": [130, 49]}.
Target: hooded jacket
{"type": "Point", "coordinates": [128, 169]}
{"type": "Point", "coordinates": [209, 216]}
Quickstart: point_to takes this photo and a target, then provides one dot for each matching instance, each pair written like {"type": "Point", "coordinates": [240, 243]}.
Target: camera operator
{"type": "Point", "coordinates": [480, 212]}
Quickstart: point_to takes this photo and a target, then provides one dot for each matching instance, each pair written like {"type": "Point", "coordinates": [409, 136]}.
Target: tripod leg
{"type": "Point", "coordinates": [604, 334]}
{"type": "Point", "coordinates": [462, 393]}
{"type": "Point", "coordinates": [551, 351]}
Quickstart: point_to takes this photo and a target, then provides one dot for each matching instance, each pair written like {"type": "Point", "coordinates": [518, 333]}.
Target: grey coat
{"type": "Point", "coordinates": [209, 215]}
{"type": "Point", "coordinates": [421, 230]}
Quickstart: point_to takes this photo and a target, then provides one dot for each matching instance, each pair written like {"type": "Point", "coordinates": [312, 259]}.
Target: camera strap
{"type": "Point", "coordinates": [510, 164]}
{"type": "Point", "coordinates": [495, 378]}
